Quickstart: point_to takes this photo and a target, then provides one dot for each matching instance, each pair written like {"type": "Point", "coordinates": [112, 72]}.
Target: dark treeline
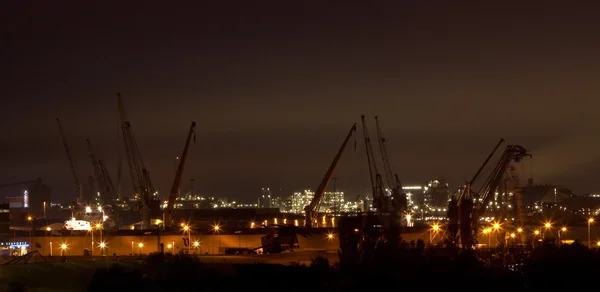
{"type": "Point", "coordinates": [547, 268]}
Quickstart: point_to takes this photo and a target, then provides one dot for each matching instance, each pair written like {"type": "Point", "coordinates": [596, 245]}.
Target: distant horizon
{"type": "Point", "coordinates": [281, 193]}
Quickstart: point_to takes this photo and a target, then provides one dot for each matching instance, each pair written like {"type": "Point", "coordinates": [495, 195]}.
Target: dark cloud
{"type": "Point", "coordinates": [275, 86]}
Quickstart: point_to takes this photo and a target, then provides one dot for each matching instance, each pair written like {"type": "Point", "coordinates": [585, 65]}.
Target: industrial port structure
{"type": "Point", "coordinates": [391, 213]}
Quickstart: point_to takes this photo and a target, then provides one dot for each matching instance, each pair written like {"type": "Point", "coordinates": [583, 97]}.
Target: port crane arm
{"type": "Point", "coordinates": [72, 161]}
{"type": "Point", "coordinates": [140, 177]}
{"type": "Point", "coordinates": [375, 176]}
{"type": "Point", "coordinates": [311, 210]}
{"type": "Point", "coordinates": [400, 202]}
{"type": "Point", "coordinates": [168, 212]}
{"type": "Point", "coordinates": [511, 153]}
{"type": "Point", "coordinates": [107, 189]}
{"type": "Point", "coordinates": [487, 160]}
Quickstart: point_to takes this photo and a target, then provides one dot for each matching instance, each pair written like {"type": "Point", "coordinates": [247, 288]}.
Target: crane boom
{"type": "Point", "coordinates": [97, 171]}
{"type": "Point", "coordinates": [105, 185]}
{"type": "Point", "coordinates": [168, 212]}
{"type": "Point", "coordinates": [470, 183]}
{"type": "Point", "coordinates": [72, 162]}
{"type": "Point", "coordinates": [466, 211]}
{"type": "Point", "coordinates": [140, 177]}
{"type": "Point", "coordinates": [400, 202]}
{"type": "Point", "coordinates": [379, 199]}
{"type": "Point", "coordinates": [311, 210]}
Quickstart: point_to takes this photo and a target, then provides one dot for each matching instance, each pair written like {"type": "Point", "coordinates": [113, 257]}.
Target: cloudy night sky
{"type": "Point", "coordinates": [275, 86]}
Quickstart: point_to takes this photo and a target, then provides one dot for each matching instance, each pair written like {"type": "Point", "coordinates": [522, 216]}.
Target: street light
{"type": "Point", "coordinates": [188, 230]}
{"type": "Point", "coordinates": [330, 236]}
{"type": "Point", "coordinates": [102, 246]}
{"type": "Point", "coordinates": [91, 230]}
{"type": "Point", "coordinates": [562, 230]}
{"type": "Point", "coordinates": [63, 247]}
{"type": "Point", "coordinates": [29, 221]}
{"type": "Point", "coordinates": [488, 231]}
{"type": "Point", "coordinates": [590, 221]}
{"type": "Point", "coordinates": [547, 225]}
{"type": "Point", "coordinates": [140, 245]}
{"type": "Point", "coordinates": [99, 227]}
{"type": "Point", "coordinates": [434, 228]}
{"type": "Point", "coordinates": [217, 228]}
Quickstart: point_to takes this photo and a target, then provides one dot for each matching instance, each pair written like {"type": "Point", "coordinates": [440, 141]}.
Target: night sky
{"type": "Point", "coordinates": [275, 85]}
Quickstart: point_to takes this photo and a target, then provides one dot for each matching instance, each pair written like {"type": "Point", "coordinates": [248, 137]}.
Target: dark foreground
{"type": "Point", "coordinates": [548, 268]}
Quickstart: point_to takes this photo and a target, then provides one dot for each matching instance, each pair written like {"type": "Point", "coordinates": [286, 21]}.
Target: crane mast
{"type": "Point", "coordinates": [399, 199]}
{"type": "Point", "coordinates": [311, 211]}
{"type": "Point", "coordinates": [379, 199]}
{"type": "Point", "coordinates": [105, 185]}
{"type": "Point", "coordinates": [168, 212]}
{"type": "Point", "coordinates": [72, 163]}
{"type": "Point", "coordinates": [140, 177]}
{"type": "Point", "coordinates": [470, 208]}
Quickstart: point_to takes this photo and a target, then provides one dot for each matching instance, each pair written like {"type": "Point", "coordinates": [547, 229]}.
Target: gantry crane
{"type": "Point", "coordinates": [311, 211]}
{"type": "Point", "coordinates": [399, 201]}
{"type": "Point", "coordinates": [472, 205]}
{"type": "Point", "coordinates": [140, 178]}
{"type": "Point", "coordinates": [72, 163]}
{"type": "Point", "coordinates": [168, 212]}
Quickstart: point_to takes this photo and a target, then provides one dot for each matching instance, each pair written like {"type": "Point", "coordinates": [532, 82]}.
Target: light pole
{"type": "Point", "coordinates": [91, 230]}
{"type": "Point", "coordinates": [196, 245]}
{"type": "Point", "coordinates": [488, 232]}
{"type": "Point", "coordinates": [29, 221]}
{"type": "Point", "coordinates": [140, 245]}
{"type": "Point", "coordinates": [102, 246]}
{"type": "Point", "coordinates": [99, 227]}
{"type": "Point", "coordinates": [536, 233]}
{"type": "Point", "coordinates": [432, 232]}
{"type": "Point", "coordinates": [217, 228]}
{"type": "Point", "coordinates": [564, 229]}
{"type": "Point", "coordinates": [187, 229]}
{"type": "Point", "coordinates": [132, 252]}
{"type": "Point", "coordinates": [547, 225]}
{"type": "Point", "coordinates": [496, 227]}
{"type": "Point", "coordinates": [63, 248]}
{"type": "Point", "coordinates": [590, 221]}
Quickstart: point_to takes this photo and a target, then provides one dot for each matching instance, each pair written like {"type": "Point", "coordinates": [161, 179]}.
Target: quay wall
{"type": "Point", "coordinates": [125, 245]}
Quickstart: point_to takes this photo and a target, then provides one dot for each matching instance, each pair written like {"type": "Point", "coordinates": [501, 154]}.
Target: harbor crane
{"type": "Point", "coordinates": [105, 185]}
{"type": "Point", "coordinates": [311, 211]}
{"type": "Point", "coordinates": [140, 177]}
{"type": "Point", "coordinates": [72, 163]}
{"type": "Point", "coordinates": [380, 200]}
{"type": "Point", "coordinates": [399, 201]}
{"type": "Point", "coordinates": [464, 212]}
{"type": "Point", "coordinates": [168, 212]}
